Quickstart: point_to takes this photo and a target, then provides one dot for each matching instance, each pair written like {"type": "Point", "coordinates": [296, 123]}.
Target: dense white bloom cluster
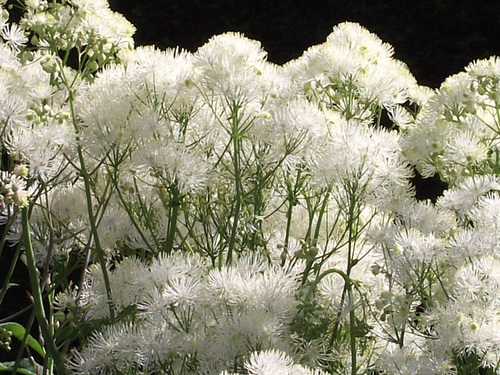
{"type": "Point", "coordinates": [225, 215]}
{"type": "Point", "coordinates": [353, 60]}
{"type": "Point", "coordinates": [456, 133]}
{"type": "Point", "coordinates": [188, 313]}
{"type": "Point", "coordinates": [79, 23]}
{"type": "Point", "coordinates": [33, 115]}
{"type": "Point", "coordinates": [269, 362]}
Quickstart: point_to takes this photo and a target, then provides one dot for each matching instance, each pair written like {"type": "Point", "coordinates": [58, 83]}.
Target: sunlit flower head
{"type": "Point", "coordinates": [14, 36]}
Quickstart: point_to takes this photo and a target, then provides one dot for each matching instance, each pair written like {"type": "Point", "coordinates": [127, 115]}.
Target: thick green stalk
{"type": "Point", "coordinates": [36, 291]}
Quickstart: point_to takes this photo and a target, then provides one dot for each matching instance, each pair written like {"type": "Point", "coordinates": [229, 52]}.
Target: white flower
{"type": "Point", "coordinates": [485, 67]}
{"type": "Point", "coordinates": [8, 57]}
{"type": "Point", "coordinates": [191, 309]}
{"type": "Point", "coordinates": [464, 196]}
{"type": "Point", "coordinates": [234, 66]}
{"type": "Point", "coordinates": [14, 36]}
{"type": "Point", "coordinates": [352, 72]}
{"type": "Point", "coordinates": [456, 134]}
{"type": "Point", "coordinates": [113, 349]}
{"type": "Point", "coordinates": [269, 362]}
{"type": "Point", "coordinates": [466, 150]}
{"type": "Point", "coordinates": [275, 362]}
{"type": "Point", "coordinates": [35, 4]}
{"type": "Point", "coordinates": [468, 322]}
{"type": "Point", "coordinates": [400, 116]}
{"type": "Point", "coordinates": [371, 157]}
{"type": "Point", "coordinates": [13, 190]}
{"type": "Point", "coordinates": [41, 148]}
{"type": "Point", "coordinates": [183, 292]}
{"type": "Point", "coordinates": [110, 28]}
{"type": "Point", "coordinates": [415, 357]}
{"type": "Point", "coordinates": [358, 38]}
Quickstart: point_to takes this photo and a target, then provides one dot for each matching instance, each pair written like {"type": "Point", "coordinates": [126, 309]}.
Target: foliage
{"type": "Point", "coordinates": [211, 212]}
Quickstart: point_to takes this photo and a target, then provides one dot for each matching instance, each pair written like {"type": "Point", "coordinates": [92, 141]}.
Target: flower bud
{"type": "Point", "coordinates": [49, 66]}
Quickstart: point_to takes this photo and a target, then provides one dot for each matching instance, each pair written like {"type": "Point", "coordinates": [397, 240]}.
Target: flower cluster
{"type": "Point", "coordinates": [188, 314]}
{"type": "Point", "coordinates": [210, 212]}
{"type": "Point", "coordinates": [456, 133]}
{"type": "Point", "coordinates": [77, 24]}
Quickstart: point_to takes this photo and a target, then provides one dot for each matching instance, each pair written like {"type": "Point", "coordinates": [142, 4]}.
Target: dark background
{"type": "Point", "coordinates": [436, 38]}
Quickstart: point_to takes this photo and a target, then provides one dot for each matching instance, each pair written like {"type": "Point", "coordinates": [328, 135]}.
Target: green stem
{"type": "Point", "coordinates": [95, 234]}
{"type": "Point", "coordinates": [322, 212]}
{"type": "Point", "coordinates": [10, 272]}
{"type": "Point", "coordinates": [287, 233]}
{"type": "Point", "coordinates": [352, 329]}
{"type": "Point", "coordinates": [114, 179]}
{"type": "Point", "coordinates": [23, 343]}
{"type": "Point", "coordinates": [353, 217]}
{"type": "Point", "coordinates": [237, 178]}
{"type": "Point", "coordinates": [146, 213]}
{"type": "Point", "coordinates": [173, 206]}
{"type": "Point", "coordinates": [314, 240]}
{"type": "Point", "coordinates": [338, 317]}
{"type": "Point", "coordinates": [92, 218]}
{"type": "Point", "coordinates": [352, 316]}
{"type": "Point", "coordinates": [3, 239]}
{"type": "Point", "coordinates": [292, 202]}
{"type": "Point", "coordinates": [34, 277]}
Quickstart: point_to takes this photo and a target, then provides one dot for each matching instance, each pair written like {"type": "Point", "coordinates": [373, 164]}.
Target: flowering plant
{"type": "Point", "coordinates": [214, 213]}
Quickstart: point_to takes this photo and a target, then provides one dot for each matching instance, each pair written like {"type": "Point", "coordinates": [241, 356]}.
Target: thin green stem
{"type": "Point", "coordinates": [22, 345]}
{"type": "Point", "coordinates": [322, 212]}
{"type": "Point", "coordinates": [125, 205]}
{"type": "Point", "coordinates": [353, 221]}
{"type": "Point", "coordinates": [95, 234]}
{"type": "Point", "coordinates": [10, 272]}
{"type": "Point", "coordinates": [313, 242]}
{"type": "Point", "coordinates": [88, 195]}
{"type": "Point", "coordinates": [352, 331]}
{"type": "Point", "coordinates": [289, 213]}
{"type": "Point", "coordinates": [173, 207]}
{"type": "Point", "coordinates": [3, 239]}
{"type": "Point", "coordinates": [36, 291]}
{"type": "Point", "coordinates": [292, 202]}
{"type": "Point", "coordinates": [236, 136]}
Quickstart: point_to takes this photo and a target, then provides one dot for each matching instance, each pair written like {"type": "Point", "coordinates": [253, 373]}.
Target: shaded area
{"type": "Point", "coordinates": [435, 38]}
{"type": "Point", "coordinates": [17, 300]}
{"type": "Point", "coordinates": [428, 188]}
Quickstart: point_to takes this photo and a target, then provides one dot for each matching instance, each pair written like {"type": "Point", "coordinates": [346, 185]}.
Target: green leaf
{"type": "Point", "coordinates": [25, 367]}
{"type": "Point", "coordinates": [18, 332]}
